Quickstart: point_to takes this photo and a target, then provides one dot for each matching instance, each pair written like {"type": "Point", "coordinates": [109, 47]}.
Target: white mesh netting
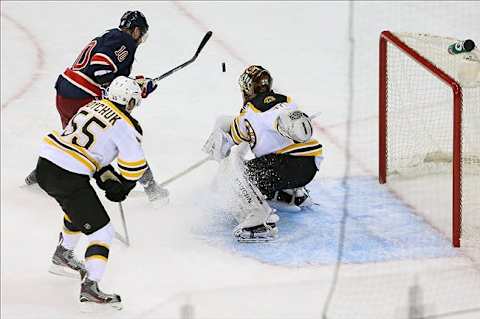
{"type": "Point", "coordinates": [420, 131]}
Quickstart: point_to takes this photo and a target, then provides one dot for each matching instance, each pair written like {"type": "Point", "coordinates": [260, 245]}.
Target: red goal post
{"type": "Point", "coordinates": [389, 37]}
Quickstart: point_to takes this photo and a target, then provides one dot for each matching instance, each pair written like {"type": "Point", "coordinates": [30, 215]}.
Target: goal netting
{"type": "Point", "coordinates": [430, 130]}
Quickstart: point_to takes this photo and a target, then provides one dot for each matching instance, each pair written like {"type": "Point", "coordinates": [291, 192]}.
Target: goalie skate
{"type": "Point", "coordinates": [246, 233]}
{"type": "Point", "coordinates": [256, 234]}
{"type": "Point", "coordinates": [291, 200]}
{"type": "Point", "coordinates": [92, 299]}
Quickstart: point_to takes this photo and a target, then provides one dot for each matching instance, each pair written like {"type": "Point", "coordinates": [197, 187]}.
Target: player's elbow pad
{"type": "Point", "coordinates": [104, 78]}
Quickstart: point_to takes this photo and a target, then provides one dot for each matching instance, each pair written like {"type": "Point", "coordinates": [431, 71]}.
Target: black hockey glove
{"type": "Point", "coordinates": [115, 186]}
{"type": "Point", "coordinates": [117, 191]}
{"type": "Point", "coordinates": [104, 174]}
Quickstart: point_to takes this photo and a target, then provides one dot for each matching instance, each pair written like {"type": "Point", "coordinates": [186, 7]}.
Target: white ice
{"type": "Point", "coordinates": [168, 269]}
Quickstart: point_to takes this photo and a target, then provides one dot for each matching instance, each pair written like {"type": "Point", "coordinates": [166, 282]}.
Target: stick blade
{"type": "Point", "coordinates": [205, 39]}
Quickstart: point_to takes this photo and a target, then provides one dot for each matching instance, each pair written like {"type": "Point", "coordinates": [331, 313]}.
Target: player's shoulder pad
{"type": "Point", "coordinates": [265, 101]}
{"type": "Point", "coordinates": [118, 43]}
{"type": "Point", "coordinates": [133, 121]}
{"type": "Point", "coordinates": [125, 116]}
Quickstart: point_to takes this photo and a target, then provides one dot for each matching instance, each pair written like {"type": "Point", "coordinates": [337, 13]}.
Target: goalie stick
{"type": "Point", "coordinates": [205, 39]}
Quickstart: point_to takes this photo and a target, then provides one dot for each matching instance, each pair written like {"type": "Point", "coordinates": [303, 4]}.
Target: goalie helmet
{"type": "Point", "coordinates": [124, 91]}
{"type": "Point", "coordinates": [254, 80]}
{"type": "Point", "coordinates": [295, 125]}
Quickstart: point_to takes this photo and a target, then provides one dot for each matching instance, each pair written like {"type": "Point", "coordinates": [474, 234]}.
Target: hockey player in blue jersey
{"type": "Point", "coordinates": [103, 59]}
{"type": "Point", "coordinates": [106, 57]}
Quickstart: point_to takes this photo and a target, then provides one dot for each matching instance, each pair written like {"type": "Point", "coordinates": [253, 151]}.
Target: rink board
{"type": "Point", "coordinates": [379, 227]}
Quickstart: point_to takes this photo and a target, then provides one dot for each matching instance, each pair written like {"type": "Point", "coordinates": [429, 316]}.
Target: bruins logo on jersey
{"type": "Point", "coordinates": [251, 134]}
{"type": "Point", "coordinates": [269, 99]}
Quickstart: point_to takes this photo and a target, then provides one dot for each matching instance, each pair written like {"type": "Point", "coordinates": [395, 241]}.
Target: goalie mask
{"type": "Point", "coordinates": [124, 91]}
{"type": "Point", "coordinates": [254, 80]}
{"type": "Point", "coordinates": [295, 125]}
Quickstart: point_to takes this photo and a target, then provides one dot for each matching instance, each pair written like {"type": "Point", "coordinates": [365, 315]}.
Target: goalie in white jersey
{"type": "Point", "coordinates": [286, 156]}
{"type": "Point", "coordinates": [99, 133]}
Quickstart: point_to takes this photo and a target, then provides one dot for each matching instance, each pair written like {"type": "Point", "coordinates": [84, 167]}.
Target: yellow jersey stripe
{"type": "Point", "coordinates": [244, 137]}
{"type": "Point", "coordinates": [119, 113]}
{"type": "Point", "coordinates": [235, 136]}
{"type": "Point", "coordinates": [132, 175]}
{"type": "Point", "coordinates": [67, 218]}
{"type": "Point", "coordinates": [298, 146]}
{"type": "Point", "coordinates": [99, 257]}
{"type": "Point", "coordinates": [132, 164]}
{"type": "Point", "coordinates": [253, 108]}
{"type": "Point", "coordinates": [77, 148]}
{"type": "Point", "coordinates": [79, 158]}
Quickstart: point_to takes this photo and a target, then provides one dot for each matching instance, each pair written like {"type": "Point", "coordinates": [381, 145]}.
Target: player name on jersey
{"type": "Point", "coordinates": [105, 111]}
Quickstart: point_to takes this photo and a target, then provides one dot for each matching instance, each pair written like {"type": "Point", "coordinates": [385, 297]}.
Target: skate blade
{"type": "Point", "coordinates": [93, 307]}
{"type": "Point", "coordinates": [255, 240]}
{"type": "Point", "coordinates": [63, 271]}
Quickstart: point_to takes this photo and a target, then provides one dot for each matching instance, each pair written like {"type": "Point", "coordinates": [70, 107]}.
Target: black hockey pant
{"type": "Point", "coordinates": [74, 194]}
{"type": "Point", "coordinates": [275, 172]}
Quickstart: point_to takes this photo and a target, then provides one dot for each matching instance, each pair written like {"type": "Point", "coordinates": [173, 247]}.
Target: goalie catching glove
{"type": "Point", "coordinates": [115, 186]}
{"type": "Point", "coordinates": [218, 145]}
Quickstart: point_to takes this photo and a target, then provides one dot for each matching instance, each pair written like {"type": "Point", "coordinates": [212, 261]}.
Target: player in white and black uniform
{"type": "Point", "coordinates": [279, 135]}
{"type": "Point", "coordinates": [99, 133]}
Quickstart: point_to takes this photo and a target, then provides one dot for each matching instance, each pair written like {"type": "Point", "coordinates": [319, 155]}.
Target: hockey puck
{"type": "Point", "coordinates": [224, 68]}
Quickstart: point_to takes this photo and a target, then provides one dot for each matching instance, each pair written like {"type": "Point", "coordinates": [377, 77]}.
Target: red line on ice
{"type": "Point", "coordinates": [204, 27]}
{"type": "Point", "coordinates": [36, 74]}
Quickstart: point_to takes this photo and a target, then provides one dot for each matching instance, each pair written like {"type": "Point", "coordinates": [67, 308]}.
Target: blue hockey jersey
{"type": "Point", "coordinates": [103, 59]}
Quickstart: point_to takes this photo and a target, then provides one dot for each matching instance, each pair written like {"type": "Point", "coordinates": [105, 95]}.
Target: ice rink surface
{"type": "Point", "coordinates": [183, 263]}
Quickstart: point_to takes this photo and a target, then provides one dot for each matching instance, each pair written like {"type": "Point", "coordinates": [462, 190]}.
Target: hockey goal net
{"type": "Point", "coordinates": [429, 126]}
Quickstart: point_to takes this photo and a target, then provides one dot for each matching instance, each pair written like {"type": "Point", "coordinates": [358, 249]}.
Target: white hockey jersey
{"type": "Point", "coordinates": [256, 125]}
{"type": "Point", "coordinates": [98, 134]}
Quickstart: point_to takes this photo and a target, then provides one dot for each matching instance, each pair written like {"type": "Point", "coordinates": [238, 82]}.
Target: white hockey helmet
{"type": "Point", "coordinates": [125, 91]}
{"type": "Point", "coordinates": [295, 125]}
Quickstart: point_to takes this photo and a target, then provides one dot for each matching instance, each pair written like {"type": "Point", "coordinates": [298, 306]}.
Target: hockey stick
{"type": "Point", "coordinates": [125, 240]}
{"type": "Point", "coordinates": [184, 172]}
{"type": "Point", "coordinates": [205, 39]}
{"type": "Point", "coordinates": [201, 162]}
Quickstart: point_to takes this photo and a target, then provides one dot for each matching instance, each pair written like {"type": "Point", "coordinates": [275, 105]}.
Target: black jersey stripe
{"type": "Point", "coordinates": [132, 169]}
{"type": "Point", "coordinates": [304, 149]}
{"type": "Point", "coordinates": [68, 147]}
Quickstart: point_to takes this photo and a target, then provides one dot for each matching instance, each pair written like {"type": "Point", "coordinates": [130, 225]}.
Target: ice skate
{"type": "Point", "coordinates": [155, 192]}
{"type": "Point", "coordinates": [64, 263]}
{"type": "Point", "coordinates": [267, 231]}
{"type": "Point", "coordinates": [291, 200]}
{"type": "Point", "coordinates": [31, 178]}
{"type": "Point", "coordinates": [92, 298]}
{"type": "Point", "coordinates": [302, 198]}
